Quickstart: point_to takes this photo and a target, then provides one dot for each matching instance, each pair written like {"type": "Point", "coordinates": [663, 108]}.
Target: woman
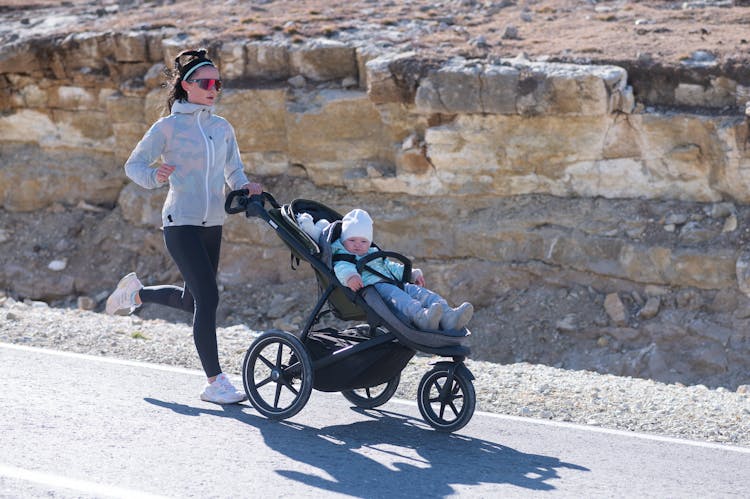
{"type": "Point", "coordinates": [198, 155]}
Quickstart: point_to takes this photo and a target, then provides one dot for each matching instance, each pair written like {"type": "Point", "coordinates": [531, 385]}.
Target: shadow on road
{"type": "Point", "coordinates": [391, 454]}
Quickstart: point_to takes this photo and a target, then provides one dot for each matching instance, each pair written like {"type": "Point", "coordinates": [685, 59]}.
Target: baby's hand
{"type": "Point", "coordinates": [418, 277]}
{"type": "Point", "coordinates": [355, 282]}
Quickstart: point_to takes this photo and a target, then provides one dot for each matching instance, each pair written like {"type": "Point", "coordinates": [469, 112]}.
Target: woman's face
{"type": "Point", "coordinates": [206, 76]}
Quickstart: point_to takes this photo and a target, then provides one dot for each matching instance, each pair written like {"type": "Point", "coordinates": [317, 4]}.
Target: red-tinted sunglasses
{"type": "Point", "coordinates": [207, 83]}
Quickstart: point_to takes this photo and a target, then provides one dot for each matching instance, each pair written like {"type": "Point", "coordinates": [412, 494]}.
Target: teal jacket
{"type": "Point", "coordinates": [344, 270]}
{"type": "Point", "coordinates": [203, 149]}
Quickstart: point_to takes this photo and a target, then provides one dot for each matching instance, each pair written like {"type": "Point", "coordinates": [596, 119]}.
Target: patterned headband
{"type": "Point", "coordinates": [198, 65]}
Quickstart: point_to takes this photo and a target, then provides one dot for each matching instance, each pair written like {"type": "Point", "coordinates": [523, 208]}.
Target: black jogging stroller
{"type": "Point", "coordinates": [363, 361]}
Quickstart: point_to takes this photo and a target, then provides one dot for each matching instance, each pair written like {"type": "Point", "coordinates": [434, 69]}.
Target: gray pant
{"type": "Point", "coordinates": [411, 300]}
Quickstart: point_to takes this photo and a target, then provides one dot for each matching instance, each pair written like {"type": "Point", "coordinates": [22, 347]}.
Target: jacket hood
{"type": "Point", "coordinates": [185, 107]}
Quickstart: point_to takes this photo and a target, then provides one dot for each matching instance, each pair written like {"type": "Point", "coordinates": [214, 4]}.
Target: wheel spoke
{"type": "Point", "coordinates": [367, 391]}
{"type": "Point", "coordinates": [293, 369]}
{"type": "Point", "coordinates": [446, 394]}
{"type": "Point", "coordinates": [266, 362]}
{"type": "Point", "coordinates": [438, 387]}
{"type": "Point", "coordinates": [263, 383]}
{"type": "Point", "coordinates": [452, 406]}
{"type": "Point", "coordinates": [458, 393]}
{"type": "Point", "coordinates": [278, 395]}
{"type": "Point", "coordinates": [291, 387]}
{"type": "Point", "coordinates": [279, 355]}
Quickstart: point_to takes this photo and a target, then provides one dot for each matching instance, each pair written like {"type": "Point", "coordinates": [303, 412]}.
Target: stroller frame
{"type": "Point", "coordinates": [280, 369]}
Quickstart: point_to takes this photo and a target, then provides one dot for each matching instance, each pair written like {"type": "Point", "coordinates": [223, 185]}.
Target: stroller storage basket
{"type": "Point", "coordinates": [371, 366]}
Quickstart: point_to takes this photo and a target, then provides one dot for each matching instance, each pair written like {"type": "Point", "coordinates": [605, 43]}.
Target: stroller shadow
{"type": "Point", "coordinates": [392, 455]}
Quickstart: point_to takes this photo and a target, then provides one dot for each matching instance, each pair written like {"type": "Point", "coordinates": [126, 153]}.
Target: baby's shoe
{"type": "Point", "coordinates": [457, 318]}
{"type": "Point", "coordinates": [429, 318]}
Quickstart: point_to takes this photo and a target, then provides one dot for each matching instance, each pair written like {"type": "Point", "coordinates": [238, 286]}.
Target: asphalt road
{"type": "Point", "coordinates": [82, 426]}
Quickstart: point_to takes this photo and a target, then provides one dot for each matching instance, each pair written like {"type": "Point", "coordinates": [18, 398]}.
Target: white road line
{"type": "Point", "coordinates": [106, 360]}
{"type": "Point", "coordinates": [599, 429]}
{"type": "Point", "coordinates": [544, 422]}
{"type": "Point", "coordinates": [57, 482]}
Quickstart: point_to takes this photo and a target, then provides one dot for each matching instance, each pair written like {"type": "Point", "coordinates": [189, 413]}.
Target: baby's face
{"type": "Point", "coordinates": [357, 245]}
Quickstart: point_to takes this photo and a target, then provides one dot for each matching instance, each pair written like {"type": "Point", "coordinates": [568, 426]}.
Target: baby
{"type": "Point", "coordinates": [425, 308]}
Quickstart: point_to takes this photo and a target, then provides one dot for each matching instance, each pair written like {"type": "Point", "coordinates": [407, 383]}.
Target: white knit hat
{"type": "Point", "coordinates": [356, 223]}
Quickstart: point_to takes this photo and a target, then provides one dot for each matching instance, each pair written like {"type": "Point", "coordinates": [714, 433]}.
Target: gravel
{"type": "Point", "coordinates": [536, 391]}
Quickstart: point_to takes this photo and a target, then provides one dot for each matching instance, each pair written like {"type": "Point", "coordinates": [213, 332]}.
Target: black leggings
{"type": "Point", "coordinates": [195, 250]}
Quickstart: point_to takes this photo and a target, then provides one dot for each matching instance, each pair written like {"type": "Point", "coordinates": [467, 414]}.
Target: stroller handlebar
{"type": "Point", "coordinates": [239, 201]}
{"type": "Point", "coordinates": [236, 201]}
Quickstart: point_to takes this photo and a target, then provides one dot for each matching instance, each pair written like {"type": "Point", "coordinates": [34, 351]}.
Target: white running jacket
{"type": "Point", "coordinates": [203, 149]}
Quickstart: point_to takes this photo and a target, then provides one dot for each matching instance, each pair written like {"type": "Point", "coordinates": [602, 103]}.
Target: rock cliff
{"type": "Point", "coordinates": [594, 212]}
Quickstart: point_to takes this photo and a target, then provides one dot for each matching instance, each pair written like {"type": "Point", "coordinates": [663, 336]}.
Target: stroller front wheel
{"type": "Point", "coordinates": [373, 396]}
{"type": "Point", "coordinates": [446, 398]}
{"type": "Point", "coordinates": [277, 375]}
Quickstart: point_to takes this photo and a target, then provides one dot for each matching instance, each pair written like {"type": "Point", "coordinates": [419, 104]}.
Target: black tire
{"type": "Point", "coordinates": [374, 396]}
{"type": "Point", "coordinates": [277, 375]}
{"type": "Point", "coordinates": [446, 405]}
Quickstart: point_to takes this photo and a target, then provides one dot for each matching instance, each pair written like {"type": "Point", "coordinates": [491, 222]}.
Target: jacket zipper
{"type": "Point", "coordinates": [208, 164]}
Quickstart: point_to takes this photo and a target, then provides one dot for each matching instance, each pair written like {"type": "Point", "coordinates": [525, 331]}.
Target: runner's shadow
{"type": "Point", "coordinates": [391, 455]}
{"type": "Point", "coordinates": [235, 411]}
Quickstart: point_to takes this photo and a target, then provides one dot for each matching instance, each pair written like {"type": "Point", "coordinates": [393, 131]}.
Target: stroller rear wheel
{"type": "Point", "coordinates": [373, 396]}
{"type": "Point", "coordinates": [277, 374]}
{"type": "Point", "coordinates": [446, 398]}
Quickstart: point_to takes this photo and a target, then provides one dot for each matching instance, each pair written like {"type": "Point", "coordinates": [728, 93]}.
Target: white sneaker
{"type": "Point", "coordinates": [222, 391]}
{"type": "Point", "coordinates": [123, 297]}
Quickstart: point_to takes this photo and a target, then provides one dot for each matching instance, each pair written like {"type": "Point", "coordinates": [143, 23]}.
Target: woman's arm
{"type": "Point", "coordinates": [147, 151]}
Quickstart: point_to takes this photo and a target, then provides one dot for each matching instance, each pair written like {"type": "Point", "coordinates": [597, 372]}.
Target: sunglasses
{"type": "Point", "coordinates": [207, 83]}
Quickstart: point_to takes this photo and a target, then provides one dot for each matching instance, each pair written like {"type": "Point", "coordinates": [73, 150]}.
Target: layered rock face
{"type": "Point", "coordinates": [593, 229]}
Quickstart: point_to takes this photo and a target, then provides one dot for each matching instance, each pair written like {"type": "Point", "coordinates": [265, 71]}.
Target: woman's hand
{"type": "Point", "coordinates": [253, 188]}
{"type": "Point", "coordinates": [355, 282]}
{"type": "Point", "coordinates": [163, 173]}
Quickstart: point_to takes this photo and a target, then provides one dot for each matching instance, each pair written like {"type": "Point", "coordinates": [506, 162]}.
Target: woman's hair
{"type": "Point", "coordinates": [184, 65]}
